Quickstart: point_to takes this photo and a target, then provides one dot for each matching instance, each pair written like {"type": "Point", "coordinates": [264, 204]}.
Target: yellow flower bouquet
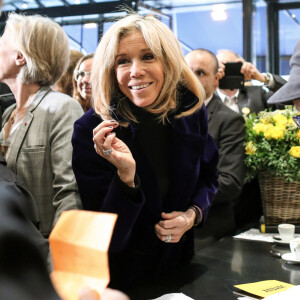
{"type": "Point", "coordinates": [273, 144]}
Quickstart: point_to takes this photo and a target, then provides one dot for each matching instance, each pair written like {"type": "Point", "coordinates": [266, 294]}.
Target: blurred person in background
{"type": "Point", "coordinates": [81, 82]}
{"type": "Point", "coordinates": [65, 82]}
{"type": "Point", "coordinates": [248, 209]}
{"type": "Point", "coordinates": [227, 129]}
{"type": "Point", "coordinates": [253, 97]}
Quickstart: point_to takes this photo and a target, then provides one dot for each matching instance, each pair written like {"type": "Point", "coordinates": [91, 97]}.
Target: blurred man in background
{"type": "Point", "coordinates": [227, 129]}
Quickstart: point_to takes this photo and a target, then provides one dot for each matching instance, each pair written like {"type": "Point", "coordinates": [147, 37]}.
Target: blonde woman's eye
{"type": "Point", "coordinates": [148, 56]}
{"type": "Point", "coordinates": [122, 61]}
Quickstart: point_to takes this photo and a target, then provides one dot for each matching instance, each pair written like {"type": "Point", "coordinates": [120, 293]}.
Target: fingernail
{"type": "Point", "coordinates": [110, 126]}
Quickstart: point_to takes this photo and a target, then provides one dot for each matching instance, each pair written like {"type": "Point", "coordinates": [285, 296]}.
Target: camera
{"type": "Point", "coordinates": [233, 78]}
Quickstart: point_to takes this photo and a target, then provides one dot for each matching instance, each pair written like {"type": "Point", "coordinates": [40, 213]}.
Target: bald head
{"type": "Point", "coordinates": [225, 56]}
{"type": "Point", "coordinates": [205, 66]}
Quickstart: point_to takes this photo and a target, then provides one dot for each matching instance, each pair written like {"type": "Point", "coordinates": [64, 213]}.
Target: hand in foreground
{"type": "Point", "coordinates": [108, 294]}
{"type": "Point", "coordinates": [174, 224]}
{"type": "Point", "coordinates": [114, 150]}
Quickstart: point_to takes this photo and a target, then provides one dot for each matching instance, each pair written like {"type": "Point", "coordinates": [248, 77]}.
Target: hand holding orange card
{"type": "Point", "coordinates": [79, 243]}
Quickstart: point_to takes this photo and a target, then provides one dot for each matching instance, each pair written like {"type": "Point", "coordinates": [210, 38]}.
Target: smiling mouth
{"type": "Point", "coordinates": [139, 87]}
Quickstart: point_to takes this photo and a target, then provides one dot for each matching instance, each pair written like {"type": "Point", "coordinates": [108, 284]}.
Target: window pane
{"type": "Point", "coordinates": [289, 33]}
{"type": "Point", "coordinates": [259, 44]}
{"type": "Point", "coordinates": [83, 38]}
{"type": "Point", "coordinates": [90, 38]}
{"type": "Point", "coordinates": [196, 28]}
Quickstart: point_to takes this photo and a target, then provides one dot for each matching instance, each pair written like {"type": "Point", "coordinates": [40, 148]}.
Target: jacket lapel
{"type": "Point", "coordinates": [211, 107]}
{"type": "Point", "coordinates": [243, 100]}
{"type": "Point", "coordinates": [24, 127]}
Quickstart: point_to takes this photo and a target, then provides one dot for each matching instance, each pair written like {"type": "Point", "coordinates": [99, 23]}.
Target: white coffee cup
{"type": "Point", "coordinates": [295, 247]}
{"type": "Point", "coordinates": [286, 232]}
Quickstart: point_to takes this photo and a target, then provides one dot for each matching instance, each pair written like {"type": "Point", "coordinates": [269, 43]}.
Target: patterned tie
{"type": "Point", "coordinates": [230, 101]}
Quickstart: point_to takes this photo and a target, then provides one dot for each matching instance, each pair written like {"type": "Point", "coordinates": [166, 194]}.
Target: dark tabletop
{"type": "Point", "coordinates": [215, 269]}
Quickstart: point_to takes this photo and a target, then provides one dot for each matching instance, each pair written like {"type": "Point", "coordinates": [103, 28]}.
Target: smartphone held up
{"type": "Point", "coordinates": [233, 78]}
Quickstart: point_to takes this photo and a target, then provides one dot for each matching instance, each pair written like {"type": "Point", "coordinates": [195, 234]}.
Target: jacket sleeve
{"type": "Point", "coordinates": [64, 184]}
{"type": "Point", "coordinates": [208, 177]}
{"type": "Point", "coordinates": [278, 82]}
{"type": "Point", "coordinates": [99, 187]}
{"type": "Point", "coordinates": [231, 167]}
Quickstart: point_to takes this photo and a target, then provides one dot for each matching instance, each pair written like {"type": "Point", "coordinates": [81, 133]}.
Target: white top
{"type": "Point", "coordinates": [231, 104]}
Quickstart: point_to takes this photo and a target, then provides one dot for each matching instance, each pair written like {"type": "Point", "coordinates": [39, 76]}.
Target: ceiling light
{"type": "Point", "coordinates": [219, 12]}
{"type": "Point", "coordinates": [90, 25]}
{"type": "Point", "coordinates": [24, 5]}
{"type": "Point", "coordinates": [77, 1]}
{"type": "Point", "coordinates": [293, 16]}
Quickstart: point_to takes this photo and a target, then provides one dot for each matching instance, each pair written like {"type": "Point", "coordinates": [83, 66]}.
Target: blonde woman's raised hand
{"type": "Point", "coordinates": [114, 150]}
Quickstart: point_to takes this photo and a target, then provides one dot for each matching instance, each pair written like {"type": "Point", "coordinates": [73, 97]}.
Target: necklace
{"type": "Point", "coordinates": [13, 116]}
{"type": "Point", "coordinates": [18, 110]}
{"type": "Point", "coordinates": [11, 121]}
{"type": "Point", "coordinates": [15, 113]}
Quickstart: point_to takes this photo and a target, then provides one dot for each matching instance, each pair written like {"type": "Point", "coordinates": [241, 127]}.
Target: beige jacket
{"type": "Point", "coordinates": [41, 154]}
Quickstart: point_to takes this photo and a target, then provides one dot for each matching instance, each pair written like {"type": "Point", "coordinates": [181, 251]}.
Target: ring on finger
{"type": "Point", "coordinates": [107, 152]}
{"type": "Point", "coordinates": [168, 238]}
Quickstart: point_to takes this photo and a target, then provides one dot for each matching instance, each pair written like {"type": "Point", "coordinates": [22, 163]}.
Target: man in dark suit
{"type": "Point", "coordinates": [227, 129]}
{"type": "Point", "coordinates": [249, 207]}
{"type": "Point", "coordinates": [253, 97]}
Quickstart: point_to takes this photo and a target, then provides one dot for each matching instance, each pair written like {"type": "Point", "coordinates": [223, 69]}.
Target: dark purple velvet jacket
{"type": "Point", "coordinates": [194, 180]}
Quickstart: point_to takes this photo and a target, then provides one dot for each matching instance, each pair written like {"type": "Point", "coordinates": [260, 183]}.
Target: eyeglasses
{"type": "Point", "coordinates": [297, 120]}
{"type": "Point", "coordinates": [80, 74]}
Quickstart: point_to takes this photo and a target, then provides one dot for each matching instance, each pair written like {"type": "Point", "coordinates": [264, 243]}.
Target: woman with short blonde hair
{"type": "Point", "coordinates": [37, 38]}
{"type": "Point", "coordinates": [36, 131]}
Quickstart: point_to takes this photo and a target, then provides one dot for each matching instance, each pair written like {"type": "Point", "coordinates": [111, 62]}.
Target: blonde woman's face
{"type": "Point", "coordinates": [9, 57]}
{"type": "Point", "coordinates": [139, 74]}
{"type": "Point", "coordinates": [83, 82]}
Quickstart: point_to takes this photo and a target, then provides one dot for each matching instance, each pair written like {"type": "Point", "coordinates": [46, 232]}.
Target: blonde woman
{"type": "Point", "coordinates": [36, 134]}
{"type": "Point", "coordinates": [143, 152]}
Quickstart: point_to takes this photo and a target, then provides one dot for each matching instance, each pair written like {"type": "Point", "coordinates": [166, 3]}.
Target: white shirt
{"type": "Point", "coordinates": [232, 104]}
{"type": "Point", "coordinates": [208, 100]}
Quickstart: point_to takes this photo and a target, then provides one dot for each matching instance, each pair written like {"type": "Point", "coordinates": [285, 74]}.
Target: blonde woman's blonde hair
{"type": "Point", "coordinates": [167, 51]}
{"type": "Point", "coordinates": [44, 45]}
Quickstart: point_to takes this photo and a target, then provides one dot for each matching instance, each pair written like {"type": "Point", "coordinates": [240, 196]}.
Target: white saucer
{"type": "Point", "coordinates": [290, 258]}
{"type": "Point", "coordinates": [278, 240]}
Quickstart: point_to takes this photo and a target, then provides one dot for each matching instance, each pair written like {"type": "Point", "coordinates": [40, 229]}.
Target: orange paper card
{"type": "Point", "coordinates": [79, 243]}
